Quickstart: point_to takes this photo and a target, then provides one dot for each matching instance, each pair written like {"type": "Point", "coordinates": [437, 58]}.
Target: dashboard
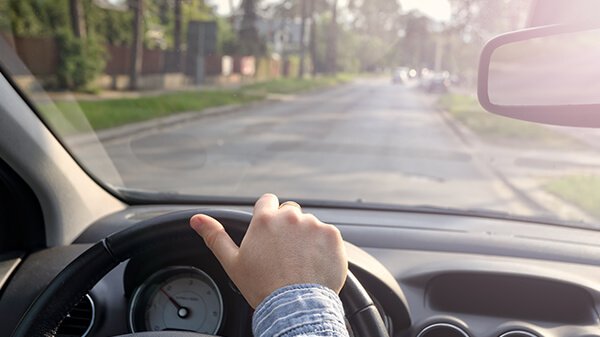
{"type": "Point", "coordinates": [452, 276]}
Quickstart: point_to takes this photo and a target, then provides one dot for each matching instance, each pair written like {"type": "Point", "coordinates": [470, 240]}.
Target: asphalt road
{"type": "Point", "coordinates": [369, 140]}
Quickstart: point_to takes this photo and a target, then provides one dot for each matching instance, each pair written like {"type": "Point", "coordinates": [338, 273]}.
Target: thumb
{"type": "Point", "coordinates": [216, 239]}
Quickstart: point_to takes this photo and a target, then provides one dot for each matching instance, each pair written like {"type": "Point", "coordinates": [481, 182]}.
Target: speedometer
{"type": "Point", "coordinates": [177, 298]}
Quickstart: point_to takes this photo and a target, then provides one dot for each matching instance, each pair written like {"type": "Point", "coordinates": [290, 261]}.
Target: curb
{"type": "Point", "coordinates": [469, 139]}
{"type": "Point", "coordinates": [537, 200]}
{"type": "Point", "coordinates": [127, 130]}
{"type": "Point", "coordinates": [119, 132]}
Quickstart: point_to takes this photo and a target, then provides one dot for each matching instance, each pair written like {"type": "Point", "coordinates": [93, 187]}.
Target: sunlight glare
{"type": "Point", "coordinates": [436, 9]}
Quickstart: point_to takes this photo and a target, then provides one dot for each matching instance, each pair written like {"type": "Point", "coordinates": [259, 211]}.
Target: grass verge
{"type": "Point", "coordinates": [502, 130]}
{"type": "Point", "coordinates": [582, 191]}
{"type": "Point", "coordinates": [103, 114]}
{"type": "Point", "coordinates": [290, 86]}
{"type": "Point", "coordinates": [74, 117]}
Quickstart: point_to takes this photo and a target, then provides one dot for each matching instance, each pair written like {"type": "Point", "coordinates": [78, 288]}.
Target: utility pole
{"type": "Point", "coordinates": [136, 47]}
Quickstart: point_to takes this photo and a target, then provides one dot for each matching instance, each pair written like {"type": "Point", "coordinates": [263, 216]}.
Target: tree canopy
{"type": "Point", "coordinates": [351, 35]}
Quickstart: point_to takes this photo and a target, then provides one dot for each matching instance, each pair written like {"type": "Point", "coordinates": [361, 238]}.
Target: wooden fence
{"type": "Point", "coordinates": [40, 57]}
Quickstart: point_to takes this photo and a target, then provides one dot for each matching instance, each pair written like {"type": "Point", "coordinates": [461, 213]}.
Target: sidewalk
{"type": "Point", "coordinates": [588, 136]}
{"type": "Point", "coordinates": [116, 94]}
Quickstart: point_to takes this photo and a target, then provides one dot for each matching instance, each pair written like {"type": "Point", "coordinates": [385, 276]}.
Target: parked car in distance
{"type": "Point", "coordinates": [400, 75]}
{"type": "Point", "coordinates": [437, 82]}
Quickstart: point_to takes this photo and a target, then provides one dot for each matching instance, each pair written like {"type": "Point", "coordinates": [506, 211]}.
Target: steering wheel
{"type": "Point", "coordinates": [48, 310]}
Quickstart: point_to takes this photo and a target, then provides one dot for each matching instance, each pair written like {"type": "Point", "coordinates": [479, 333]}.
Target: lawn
{"type": "Point", "coordinates": [107, 113]}
{"type": "Point", "coordinates": [289, 86]}
{"type": "Point", "coordinates": [501, 130]}
{"type": "Point", "coordinates": [582, 191]}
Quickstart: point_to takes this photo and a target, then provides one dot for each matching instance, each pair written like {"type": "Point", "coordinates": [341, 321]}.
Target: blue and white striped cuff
{"type": "Point", "coordinates": [300, 310]}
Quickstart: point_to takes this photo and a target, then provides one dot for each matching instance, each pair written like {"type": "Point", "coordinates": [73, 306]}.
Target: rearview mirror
{"type": "Point", "coordinates": [547, 75]}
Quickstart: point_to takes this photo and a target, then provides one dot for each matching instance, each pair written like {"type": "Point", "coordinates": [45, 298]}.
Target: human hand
{"type": "Point", "coordinates": [282, 246]}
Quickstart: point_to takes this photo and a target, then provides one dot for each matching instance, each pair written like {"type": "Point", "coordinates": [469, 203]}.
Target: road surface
{"type": "Point", "coordinates": [369, 140]}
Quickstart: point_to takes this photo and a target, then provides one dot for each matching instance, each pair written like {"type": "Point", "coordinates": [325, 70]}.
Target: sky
{"type": "Point", "coordinates": [436, 9]}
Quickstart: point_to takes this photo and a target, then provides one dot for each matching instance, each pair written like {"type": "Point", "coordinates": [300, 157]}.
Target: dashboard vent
{"type": "Point", "coordinates": [78, 322]}
{"type": "Point", "coordinates": [443, 330]}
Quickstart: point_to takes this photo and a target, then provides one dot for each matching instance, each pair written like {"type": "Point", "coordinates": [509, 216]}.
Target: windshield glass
{"type": "Point", "coordinates": [341, 100]}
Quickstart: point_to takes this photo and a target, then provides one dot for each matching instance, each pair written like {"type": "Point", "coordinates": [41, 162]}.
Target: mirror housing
{"type": "Point", "coordinates": [548, 74]}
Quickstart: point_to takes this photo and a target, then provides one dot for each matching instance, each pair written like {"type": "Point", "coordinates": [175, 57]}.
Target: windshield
{"type": "Point", "coordinates": [356, 101]}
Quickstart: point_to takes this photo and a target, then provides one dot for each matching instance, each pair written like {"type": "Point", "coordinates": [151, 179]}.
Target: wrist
{"type": "Point", "coordinates": [304, 307]}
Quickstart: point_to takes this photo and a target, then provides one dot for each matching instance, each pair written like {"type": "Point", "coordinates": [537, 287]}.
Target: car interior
{"type": "Point", "coordinates": [77, 259]}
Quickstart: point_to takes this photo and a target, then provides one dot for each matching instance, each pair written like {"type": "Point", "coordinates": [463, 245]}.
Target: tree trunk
{"type": "Point", "coordinates": [332, 41]}
{"type": "Point", "coordinates": [312, 43]}
{"type": "Point", "coordinates": [136, 47]}
{"type": "Point", "coordinates": [302, 38]}
{"type": "Point", "coordinates": [248, 34]}
{"type": "Point", "coordinates": [77, 19]}
{"type": "Point", "coordinates": [177, 36]}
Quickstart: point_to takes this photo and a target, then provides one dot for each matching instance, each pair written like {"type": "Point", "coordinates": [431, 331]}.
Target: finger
{"type": "Point", "coordinates": [267, 204]}
{"type": "Point", "coordinates": [311, 219]}
{"type": "Point", "coordinates": [291, 212]}
{"type": "Point", "coordinates": [216, 239]}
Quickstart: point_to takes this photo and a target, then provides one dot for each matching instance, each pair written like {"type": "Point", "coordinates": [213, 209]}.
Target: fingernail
{"type": "Point", "coordinates": [196, 222]}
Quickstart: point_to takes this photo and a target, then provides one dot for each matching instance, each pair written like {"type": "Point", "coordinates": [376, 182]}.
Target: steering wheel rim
{"type": "Point", "coordinates": [43, 317]}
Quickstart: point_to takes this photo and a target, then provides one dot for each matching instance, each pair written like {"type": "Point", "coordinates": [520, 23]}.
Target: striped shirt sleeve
{"type": "Point", "coordinates": [300, 310]}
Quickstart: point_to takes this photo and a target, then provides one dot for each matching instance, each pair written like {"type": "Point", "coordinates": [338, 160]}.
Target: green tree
{"type": "Point", "coordinates": [4, 17]}
{"type": "Point", "coordinates": [377, 18]}
{"type": "Point", "coordinates": [177, 32]}
{"type": "Point", "coordinates": [182, 11]}
{"type": "Point", "coordinates": [418, 44]}
{"type": "Point", "coordinates": [249, 41]}
{"type": "Point", "coordinates": [112, 27]}
{"type": "Point", "coordinates": [332, 39]}
{"type": "Point", "coordinates": [137, 6]}
{"type": "Point", "coordinates": [316, 33]}
{"type": "Point", "coordinates": [80, 61]}
{"type": "Point", "coordinates": [37, 18]}
{"type": "Point", "coordinates": [77, 19]}
{"type": "Point", "coordinates": [303, 18]}
{"type": "Point", "coordinates": [474, 22]}
{"type": "Point", "coordinates": [377, 24]}
{"type": "Point", "coordinates": [227, 43]}
{"type": "Point", "coordinates": [482, 19]}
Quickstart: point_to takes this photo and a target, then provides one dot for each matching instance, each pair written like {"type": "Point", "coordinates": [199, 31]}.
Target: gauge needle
{"type": "Point", "coordinates": [182, 311]}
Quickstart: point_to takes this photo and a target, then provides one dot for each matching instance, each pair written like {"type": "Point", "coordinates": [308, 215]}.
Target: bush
{"type": "Point", "coordinates": [80, 61]}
